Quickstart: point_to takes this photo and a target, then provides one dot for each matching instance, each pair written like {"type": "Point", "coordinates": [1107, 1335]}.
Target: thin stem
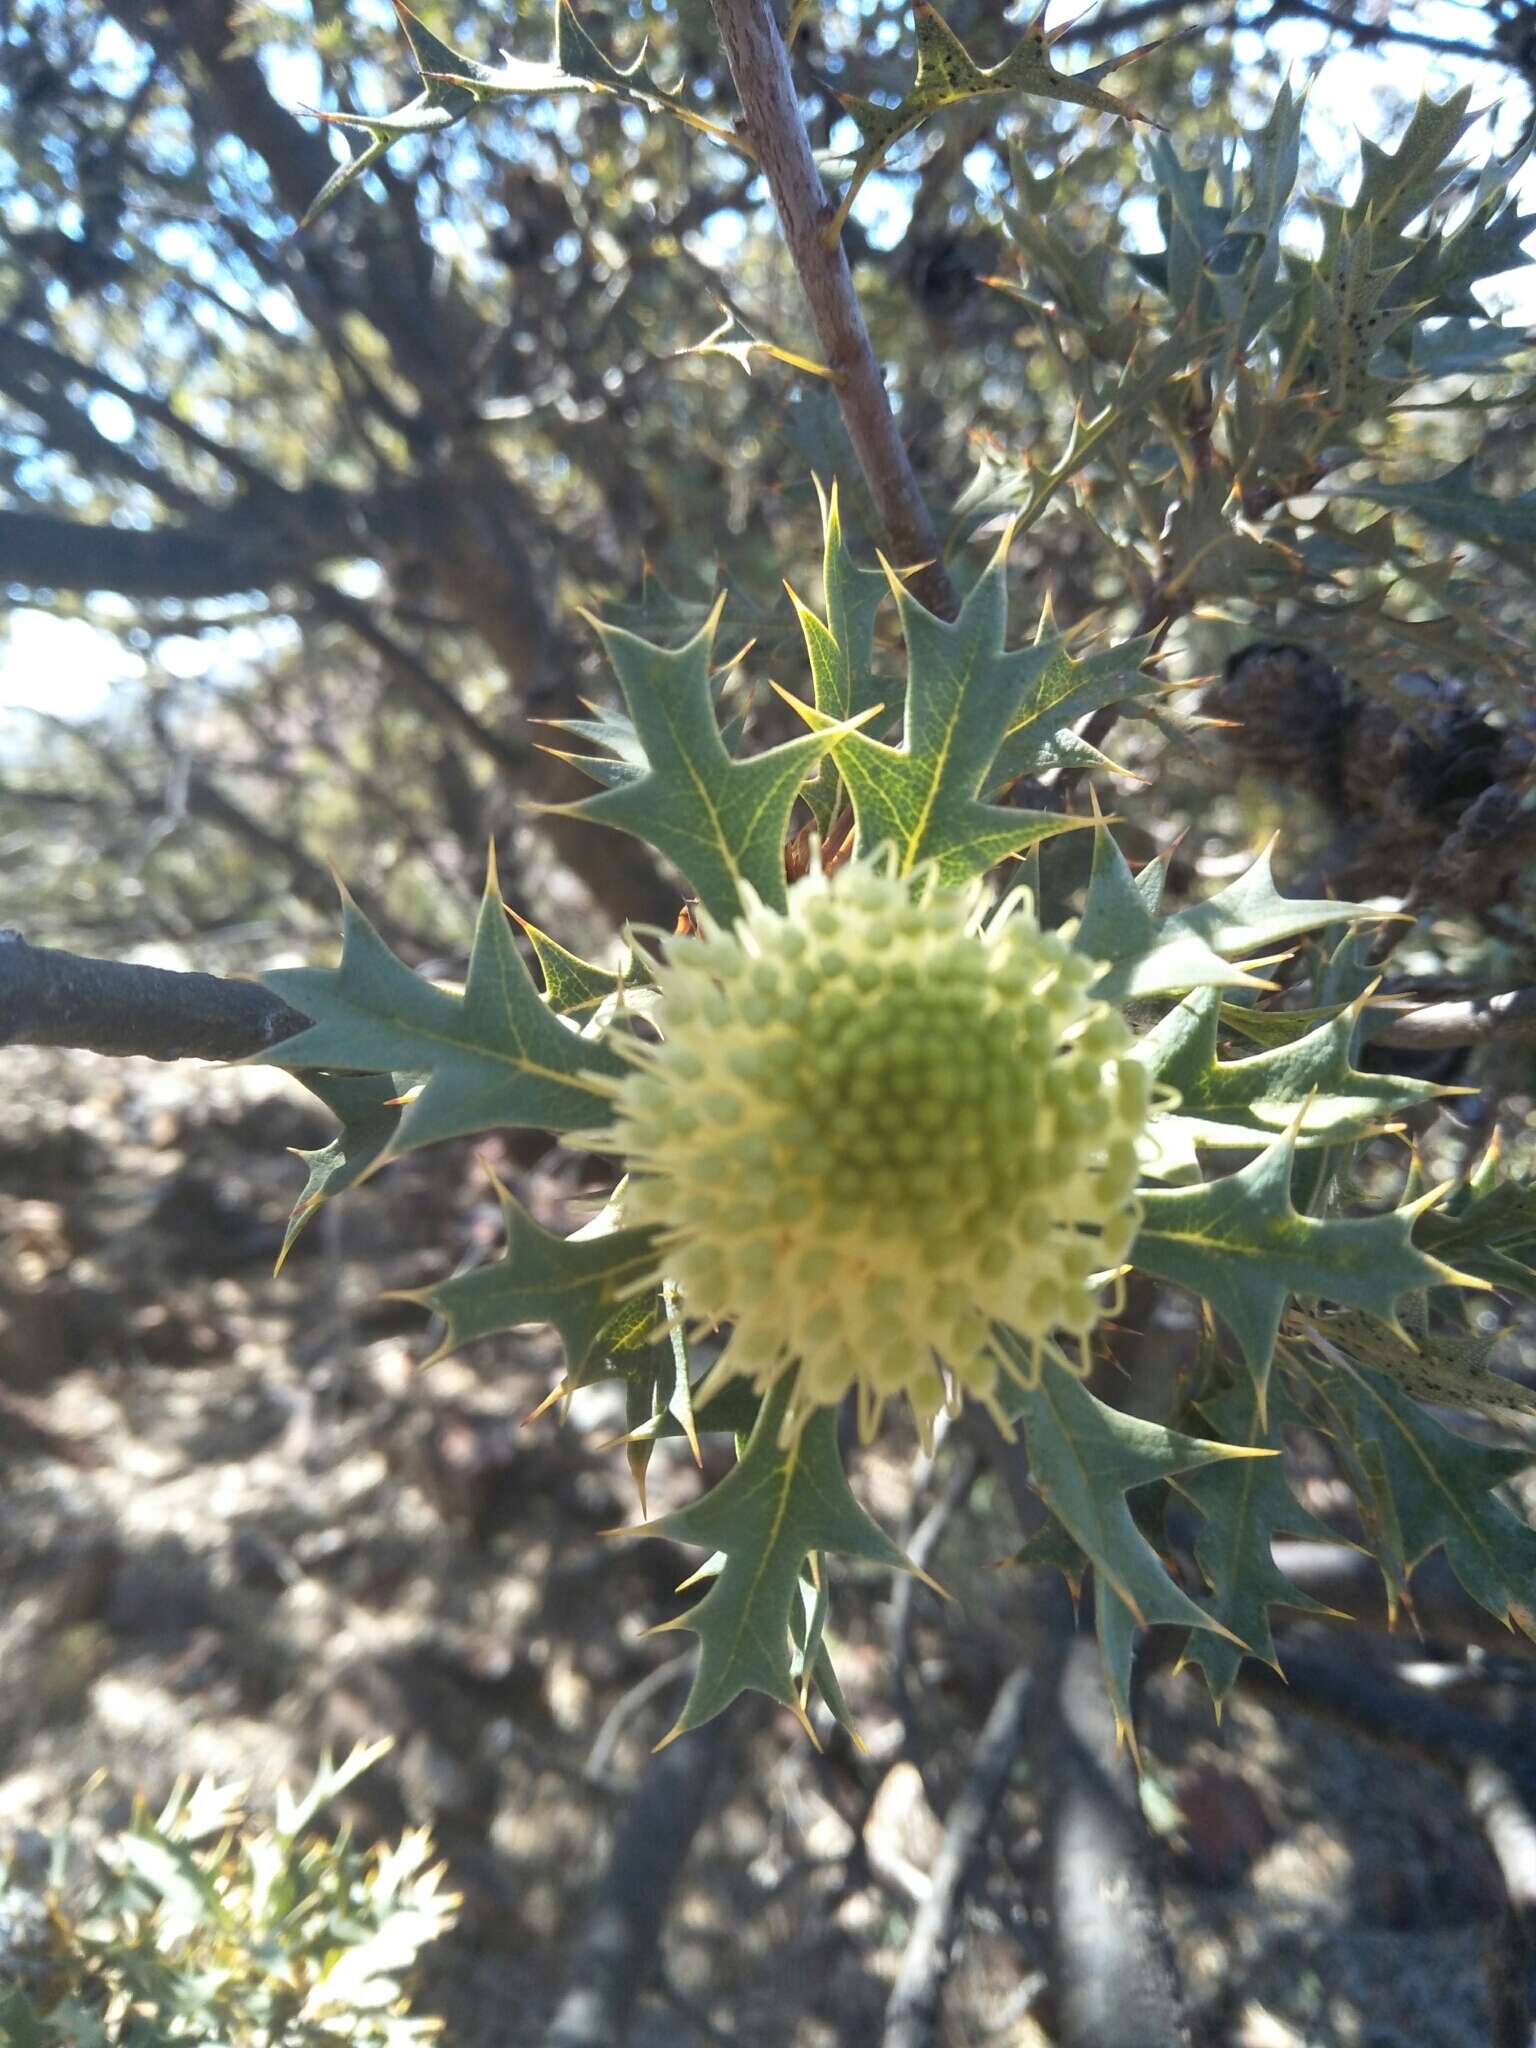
{"type": "Point", "coordinates": [759, 62]}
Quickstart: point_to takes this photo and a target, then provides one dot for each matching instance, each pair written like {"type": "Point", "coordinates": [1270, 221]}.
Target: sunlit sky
{"type": "Point", "coordinates": [72, 667]}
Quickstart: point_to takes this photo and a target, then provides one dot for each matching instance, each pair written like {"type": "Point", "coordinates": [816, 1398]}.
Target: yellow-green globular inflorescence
{"type": "Point", "coordinates": [880, 1123]}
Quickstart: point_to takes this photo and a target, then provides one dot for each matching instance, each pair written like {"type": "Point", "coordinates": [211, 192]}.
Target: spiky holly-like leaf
{"type": "Point", "coordinates": [780, 1503]}
{"type": "Point", "coordinates": [574, 987]}
{"type": "Point", "coordinates": [947, 74]}
{"type": "Point", "coordinates": [1454, 505]}
{"type": "Point", "coordinates": [1488, 1228]}
{"type": "Point", "coordinates": [1397, 185]}
{"type": "Point", "coordinates": [1250, 915]}
{"type": "Point", "coordinates": [577, 1284]}
{"type": "Point", "coordinates": [1084, 1457]}
{"type": "Point", "coordinates": [1060, 688]}
{"type": "Point", "coordinates": [440, 103]}
{"type": "Point", "coordinates": [1434, 1366]}
{"type": "Point", "coordinates": [454, 85]}
{"type": "Point", "coordinates": [1148, 955]}
{"type": "Point", "coordinates": [841, 647]}
{"type": "Point", "coordinates": [1240, 1243]}
{"type": "Point", "coordinates": [1428, 1488]}
{"type": "Point", "coordinates": [1309, 1082]}
{"type": "Point", "coordinates": [369, 1108]}
{"type": "Point", "coordinates": [1244, 1505]}
{"type": "Point", "coordinates": [722, 821]}
{"type": "Point", "coordinates": [576, 64]}
{"type": "Point", "coordinates": [494, 1056]}
{"type": "Point", "coordinates": [964, 694]}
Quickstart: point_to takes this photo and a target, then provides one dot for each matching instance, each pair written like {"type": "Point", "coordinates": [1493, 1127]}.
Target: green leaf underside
{"type": "Point", "coordinates": [581, 1285]}
{"type": "Point", "coordinates": [1433, 1366]}
{"type": "Point", "coordinates": [808, 1622]}
{"type": "Point", "coordinates": [494, 1057]}
{"type": "Point", "coordinates": [1084, 1457]}
{"type": "Point", "coordinates": [778, 1505]}
{"type": "Point", "coordinates": [720, 821]}
{"type": "Point", "coordinates": [1244, 1504]}
{"type": "Point", "coordinates": [1240, 1243]}
{"type": "Point", "coordinates": [1432, 1489]}
{"type": "Point", "coordinates": [730, 1412]}
{"type": "Point", "coordinates": [964, 694]}
{"type": "Point", "coordinates": [369, 1109]}
{"type": "Point", "coordinates": [1308, 1083]}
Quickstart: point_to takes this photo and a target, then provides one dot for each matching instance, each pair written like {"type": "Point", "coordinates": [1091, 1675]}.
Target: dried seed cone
{"type": "Point", "coordinates": [880, 1123]}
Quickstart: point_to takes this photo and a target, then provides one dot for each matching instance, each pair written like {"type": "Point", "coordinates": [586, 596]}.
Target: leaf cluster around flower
{"type": "Point", "coordinates": [881, 1122]}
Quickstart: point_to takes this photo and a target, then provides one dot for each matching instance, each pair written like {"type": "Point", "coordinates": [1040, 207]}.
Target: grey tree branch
{"type": "Point", "coordinates": [1477, 1021]}
{"type": "Point", "coordinates": [1114, 1977]}
{"type": "Point", "coordinates": [65, 999]}
{"type": "Point", "coordinates": [759, 62]}
{"type": "Point", "coordinates": [617, 1951]}
{"type": "Point", "coordinates": [912, 2017]}
{"type": "Point", "coordinates": [1504, 1815]}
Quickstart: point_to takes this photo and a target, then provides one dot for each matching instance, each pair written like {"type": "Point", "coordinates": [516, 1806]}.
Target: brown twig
{"type": "Point", "coordinates": [67, 999]}
{"type": "Point", "coordinates": [759, 62]}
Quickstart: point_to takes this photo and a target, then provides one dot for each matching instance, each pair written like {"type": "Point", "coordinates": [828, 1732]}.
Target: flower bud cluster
{"type": "Point", "coordinates": [879, 1124]}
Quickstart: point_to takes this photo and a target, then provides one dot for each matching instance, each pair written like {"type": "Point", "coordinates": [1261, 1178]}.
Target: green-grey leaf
{"type": "Point", "coordinates": [577, 1284]}
{"type": "Point", "coordinates": [1240, 1243]}
{"type": "Point", "coordinates": [1143, 956]}
{"type": "Point", "coordinates": [964, 695]}
{"type": "Point", "coordinates": [1308, 1083]}
{"type": "Point", "coordinates": [721, 821]}
{"type": "Point", "coordinates": [1083, 1459]}
{"type": "Point", "coordinates": [1453, 505]}
{"type": "Point", "coordinates": [369, 1108]}
{"type": "Point", "coordinates": [1434, 1366]}
{"type": "Point", "coordinates": [1244, 1505]}
{"type": "Point", "coordinates": [841, 649]}
{"type": "Point", "coordinates": [778, 1504]}
{"type": "Point", "coordinates": [1434, 1489]}
{"type": "Point", "coordinates": [494, 1056]}
{"type": "Point", "coordinates": [1058, 690]}
{"type": "Point", "coordinates": [1250, 914]}
{"type": "Point", "coordinates": [947, 73]}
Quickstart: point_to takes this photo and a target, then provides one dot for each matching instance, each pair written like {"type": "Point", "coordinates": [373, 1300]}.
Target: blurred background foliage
{"type": "Point", "coordinates": [334, 493]}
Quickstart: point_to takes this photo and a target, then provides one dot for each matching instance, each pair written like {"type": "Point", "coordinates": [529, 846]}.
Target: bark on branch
{"type": "Point", "coordinates": [65, 999]}
{"type": "Point", "coordinates": [759, 61]}
{"type": "Point", "coordinates": [912, 2017]}
{"type": "Point", "coordinates": [1477, 1021]}
{"type": "Point", "coordinates": [616, 1955]}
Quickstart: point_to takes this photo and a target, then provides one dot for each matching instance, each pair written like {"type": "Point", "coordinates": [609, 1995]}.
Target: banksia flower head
{"type": "Point", "coordinates": [881, 1122]}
